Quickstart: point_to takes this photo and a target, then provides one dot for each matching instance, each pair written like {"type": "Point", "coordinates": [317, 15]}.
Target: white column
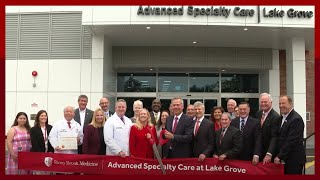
{"type": "Point", "coordinates": [274, 80]}
{"type": "Point", "coordinates": [296, 75]}
{"type": "Point", "coordinates": [97, 70]}
{"type": "Point", "coordinates": [109, 75]}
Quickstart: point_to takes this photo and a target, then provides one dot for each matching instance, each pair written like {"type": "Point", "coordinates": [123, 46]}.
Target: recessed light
{"type": "Point", "coordinates": [194, 42]}
{"type": "Point", "coordinates": [148, 27]}
{"type": "Point", "coordinates": [223, 70]}
{"type": "Point", "coordinates": [245, 29]}
{"type": "Point", "coordinates": [151, 69]}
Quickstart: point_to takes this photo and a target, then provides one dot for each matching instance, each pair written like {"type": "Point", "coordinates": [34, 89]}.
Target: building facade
{"type": "Point", "coordinates": [206, 53]}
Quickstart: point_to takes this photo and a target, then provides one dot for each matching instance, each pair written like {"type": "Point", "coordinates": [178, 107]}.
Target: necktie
{"type": "Point", "coordinates": [262, 118]}
{"type": "Point", "coordinates": [222, 134]}
{"type": "Point", "coordinates": [197, 127]}
{"type": "Point", "coordinates": [69, 125]}
{"type": "Point", "coordinates": [122, 120]}
{"type": "Point", "coordinates": [156, 116]}
{"type": "Point", "coordinates": [106, 114]}
{"type": "Point", "coordinates": [175, 124]}
{"type": "Point", "coordinates": [242, 125]}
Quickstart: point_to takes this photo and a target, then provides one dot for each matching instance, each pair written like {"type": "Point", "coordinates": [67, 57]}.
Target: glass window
{"type": "Point", "coordinates": [209, 104]}
{"type": "Point", "coordinates": [136, 82]}
{"type": "Point", "coordinates": [166, 104]}
{"type": "Point", "coordinates": [254, 104]}
{"type": "Point", "coordinates": [147, 102]}
{"type": "Point", "coordinates": [169, 82]}
{"type": "Point", "coordinates": [240, 83]}
{"type": "Point", "coordinates": [204, 82]}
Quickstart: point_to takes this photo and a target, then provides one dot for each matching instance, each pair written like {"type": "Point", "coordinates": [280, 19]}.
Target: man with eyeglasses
{"type": "Point", "coordinates": [104, 104]}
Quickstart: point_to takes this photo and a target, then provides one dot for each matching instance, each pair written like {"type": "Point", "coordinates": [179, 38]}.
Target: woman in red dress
{"type": "Point", "coordinates": [142, 136]}
{"type": "Point", "coordinates": [215, 117]}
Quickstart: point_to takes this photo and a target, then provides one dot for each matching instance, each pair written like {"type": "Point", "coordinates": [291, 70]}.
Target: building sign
{"type": "Point", "coordinates": [223, 12]}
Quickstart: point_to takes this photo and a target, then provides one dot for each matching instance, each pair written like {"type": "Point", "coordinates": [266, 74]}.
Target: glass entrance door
{"type": "Point", "coordinates": [209, 102]}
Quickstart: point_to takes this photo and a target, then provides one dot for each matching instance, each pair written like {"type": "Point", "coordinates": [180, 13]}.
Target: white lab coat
{"type": "Point", "coordinates": [116, 135]}
{"type": "Point", "coordinates": [61, 129]}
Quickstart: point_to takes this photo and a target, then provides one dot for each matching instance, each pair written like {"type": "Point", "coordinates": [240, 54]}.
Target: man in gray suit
{"type": "Point", "coordinates": [82, 115]}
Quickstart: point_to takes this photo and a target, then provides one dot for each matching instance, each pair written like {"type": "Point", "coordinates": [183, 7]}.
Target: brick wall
{"type": "Point", "coordinates": [309, 84]}
{"type": "Point", "coordinates": [310, 90]}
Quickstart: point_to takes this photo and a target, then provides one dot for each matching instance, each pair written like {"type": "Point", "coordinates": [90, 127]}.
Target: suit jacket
{"type": "Point", "coordinates": [292, 151]}
{"type": "Point", "coordinates": [203, 140]}
{"type": "Point", "coordinates": [37, 140]}
{"type": "Point", "coordinates": [153, 119]}
{"type": "Point", "coordinates": [92, 142]}
{"type": "Point", "coordinates": [231, 143]}
{"type": "Point", "coordinates": [181, 144]}
{"type": "Point", "coordinates": [87, 118]}
{"type": "Point", "coordinates": [269, 133]}
{"type": "Point", "coordinates": [251, 138]}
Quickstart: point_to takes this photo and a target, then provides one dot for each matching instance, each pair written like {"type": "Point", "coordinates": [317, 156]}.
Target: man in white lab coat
{"type": "Point", "coordinates": [63, 130]}
{"type": "Point", "coordinates": [116, 131]}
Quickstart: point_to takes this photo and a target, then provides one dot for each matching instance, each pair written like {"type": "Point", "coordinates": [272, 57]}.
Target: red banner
{"type": "Point", "coordinates": [115, 165]}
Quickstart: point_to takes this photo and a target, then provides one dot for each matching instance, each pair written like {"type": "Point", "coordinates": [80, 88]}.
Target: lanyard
{"type": "Point", "coordinates": [45, 139]}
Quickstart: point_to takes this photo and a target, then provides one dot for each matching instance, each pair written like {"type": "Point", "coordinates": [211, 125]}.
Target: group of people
{"type": "Point", "coordinates": [268, 137]}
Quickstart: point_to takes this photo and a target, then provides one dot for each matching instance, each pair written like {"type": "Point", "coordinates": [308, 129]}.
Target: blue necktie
{"type": "Point", "coordinates": [122, 120]}
{"type": "Point", "coordinates": [242, 125]}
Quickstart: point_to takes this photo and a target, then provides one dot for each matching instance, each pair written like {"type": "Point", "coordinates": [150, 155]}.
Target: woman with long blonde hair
{"type": "Point", "coordinates": [93, 139]}
{"type": "Point", "coordinates": [142, 136]}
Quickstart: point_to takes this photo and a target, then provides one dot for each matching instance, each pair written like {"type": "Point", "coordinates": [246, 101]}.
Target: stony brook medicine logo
{"type": "Point", "coordinates": [48, 161]}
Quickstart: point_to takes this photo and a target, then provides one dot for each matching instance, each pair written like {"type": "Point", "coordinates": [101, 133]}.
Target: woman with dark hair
{"type": "Point", "coordinates": [39, 136]}
{"type": "Point", "coordinates": [161, 125]}
{"type": "Point", "coordinates": [39, 133]}
{"type": "Point", "coordinates": [215, 117]}
{"type": "Point", "coordinates": [18, 140]}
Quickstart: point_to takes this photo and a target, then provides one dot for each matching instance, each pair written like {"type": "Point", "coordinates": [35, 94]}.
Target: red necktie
{"type": "Point", "coordinates": [175, 124]}
{"type": "Point", "coordinates": [69, 125]}
{"type": "Point", "coordinates": [197, 127]}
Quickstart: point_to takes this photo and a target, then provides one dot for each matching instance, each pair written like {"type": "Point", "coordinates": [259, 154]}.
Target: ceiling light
{"type": "Point", "coordinates": [148, 27]}
{"type": "Point", "coordinates": [245, 29]}
{"type": "Point", "coordinates": [194, 42]}
{"type": "Point", "coordinates": [223, 70]}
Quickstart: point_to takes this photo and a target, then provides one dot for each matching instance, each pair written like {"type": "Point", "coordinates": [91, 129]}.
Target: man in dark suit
{"type": "Point", "coordinates": [292, 151]}
{"type": "Point", "coordinates": [82, 115]}
{"type": "Point", "coordinates": [228, 140]}
{"type": "Point", "coordinates": [269, 120]}
{"type": "Point", "coordinates": [104, 104]}
{"type": "Point", "coordinates": [179, 132]}
{"type": "Point", "coordinates": [203, 133]}
{"type": "Point", "coordinates": [251, 134]}
{"type": "Point", "coordinates": [155, 113]}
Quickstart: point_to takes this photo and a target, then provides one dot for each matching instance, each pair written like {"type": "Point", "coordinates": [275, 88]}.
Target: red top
{"type": "Point", "coordinates": [139, 145]}
{"type": "Point", "coordinates": [217, 126]}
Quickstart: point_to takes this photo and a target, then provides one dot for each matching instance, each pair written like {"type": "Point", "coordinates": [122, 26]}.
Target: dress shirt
{"type": "Point", "coordinates": [179, 116]}
{"type": "Point", "coordinates": [200, 120]}
{"type": "Point", "coordinates": [156, 116]}
{"type": "Point", "coordinates": [245, 121]}
{"type": "Point", "coordinates": [82, 114]}
{"type": "Point", "coordinates": [61, 129]}
{"type": "Point", "coordinates": [284, 116]}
